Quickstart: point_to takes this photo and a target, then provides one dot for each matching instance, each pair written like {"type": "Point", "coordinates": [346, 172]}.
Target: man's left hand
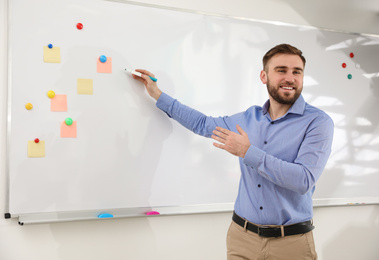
{"type": "Point", "coordinates": [236, 144]}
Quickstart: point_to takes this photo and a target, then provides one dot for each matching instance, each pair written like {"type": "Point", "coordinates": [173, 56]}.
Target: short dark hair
{"type": "Point", "coordinates": [282, 49]}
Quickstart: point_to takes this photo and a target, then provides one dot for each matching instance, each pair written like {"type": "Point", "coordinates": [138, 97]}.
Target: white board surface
{"type": "Point", "coordinates": [129, 156]}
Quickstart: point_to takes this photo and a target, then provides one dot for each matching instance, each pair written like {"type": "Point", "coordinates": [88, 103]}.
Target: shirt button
{"type": "Point", "coordinates": [260, 208]}
{"type": "Point", "coordinates": [259, 185]}
{"type": "Point", "coordinates": [265, 142]}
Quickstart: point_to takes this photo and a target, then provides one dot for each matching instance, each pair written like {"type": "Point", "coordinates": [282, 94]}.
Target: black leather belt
{"type": "Point", "coordinates": [266, 231]}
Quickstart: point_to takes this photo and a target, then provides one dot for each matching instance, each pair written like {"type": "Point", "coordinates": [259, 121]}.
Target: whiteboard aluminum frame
{"type": "Point", "coordinates": [9, 105]}
{"type": "Point", "coordinates": [70, 216]}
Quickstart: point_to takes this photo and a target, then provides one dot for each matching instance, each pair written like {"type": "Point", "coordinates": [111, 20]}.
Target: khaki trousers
{"type": "Point", "coordinates": [247, 245]}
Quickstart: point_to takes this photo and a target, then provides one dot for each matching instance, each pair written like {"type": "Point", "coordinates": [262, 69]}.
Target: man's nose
{"type": "Point", "coordinates": [290, 78]}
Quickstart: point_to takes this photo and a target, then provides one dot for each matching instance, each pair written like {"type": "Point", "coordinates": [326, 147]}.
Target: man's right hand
{"type": "Point", "coordinates": [151, 86]}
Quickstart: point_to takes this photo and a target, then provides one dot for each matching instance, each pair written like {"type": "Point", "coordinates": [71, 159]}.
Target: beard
{"type": "Point", "coordinates": [286, 98]}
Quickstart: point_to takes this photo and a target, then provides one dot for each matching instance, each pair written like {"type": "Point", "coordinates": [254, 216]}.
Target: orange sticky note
{"type": "Point", "coordinates": [59, 103]}
{"type": "Point", "coordinates": [105, 67]}
{"type": "Point", "coordinates": [36, 149]}
{"type": "Point", "coordinates": [68, 130]}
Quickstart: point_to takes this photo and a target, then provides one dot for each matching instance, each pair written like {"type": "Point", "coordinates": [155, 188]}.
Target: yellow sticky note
{"type": "Point", "coordinates": [105, 67]}
{"type": "Point", "coordinates": [68, 130]}
{"type": "Point", "coordinates": [52, 55]}
{"type": "Point", "coordinates": [85, 86]}
{"type": "Point", "coordinates": [59, 103]}
{"type": "Point", "coordinates": [36, 149]}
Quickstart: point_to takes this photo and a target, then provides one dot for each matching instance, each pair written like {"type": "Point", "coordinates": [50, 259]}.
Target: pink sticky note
{"type": "Point", "coordinates": [68, 130]}
{"type": "Point", "coordinates": [105, 67]}
{"type": "Point", "coordinates": [152, 213]}
{"type": "Point", "coordinates": [59, 103]}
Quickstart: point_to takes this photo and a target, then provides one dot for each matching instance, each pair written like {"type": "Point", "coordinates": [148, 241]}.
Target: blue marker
{"type": "Point", "coordinates": [140, 74]}
{"type": "Point", "coordinates": [105, 215]}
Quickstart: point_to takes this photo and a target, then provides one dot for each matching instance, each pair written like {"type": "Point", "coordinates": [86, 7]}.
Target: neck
{"type": "Point", "coordinates": [277, 110]}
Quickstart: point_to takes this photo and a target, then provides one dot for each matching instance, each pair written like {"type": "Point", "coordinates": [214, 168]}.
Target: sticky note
{"type": "Point", "coordinates": [51, 55]}
{"type": "Point", "coordinates": [105, 67]}
{"type": "Point", "coordinates": [36, 149]}
{"type": "Point", "coordinates": [68, 130]}
{"type": "Point", "coordinates": [85, 86]}
{"type": "Point", "coordinates": [59, 103]}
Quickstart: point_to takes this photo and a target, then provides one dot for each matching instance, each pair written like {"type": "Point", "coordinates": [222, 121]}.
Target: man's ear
{"type": "Point", "coordinates": [263, 77]}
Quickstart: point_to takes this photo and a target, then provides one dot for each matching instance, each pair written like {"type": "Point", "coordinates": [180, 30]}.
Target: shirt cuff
{"type": "Point", "coordinates": [254, 157]}
{"type": "Point", "coordinates": [164, 102]}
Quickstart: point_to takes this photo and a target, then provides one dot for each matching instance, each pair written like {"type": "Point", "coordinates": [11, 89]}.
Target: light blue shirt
{"type": "Point", "coordinates": [286, 157]}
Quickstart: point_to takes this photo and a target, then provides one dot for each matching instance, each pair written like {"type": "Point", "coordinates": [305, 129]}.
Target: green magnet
{"type": "Point", "coordinates": [349, 76]}
{"type": "Point", "coordinates": [68, 121]}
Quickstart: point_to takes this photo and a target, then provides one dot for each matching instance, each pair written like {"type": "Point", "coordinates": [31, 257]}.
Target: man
{"type": "Point", "coordinates": [282, 147]}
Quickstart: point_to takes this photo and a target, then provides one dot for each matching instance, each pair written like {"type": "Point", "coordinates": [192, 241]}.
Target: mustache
{"type": "Point", "coordinates": [287, 83]}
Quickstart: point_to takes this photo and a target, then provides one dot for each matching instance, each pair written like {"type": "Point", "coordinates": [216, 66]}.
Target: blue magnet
{"type": "Point", "coordinates": [105, 215]}
{"type": "Point", "coordinates": [103, 58]}
{"type": "Point", "coordinates": [50, 46]}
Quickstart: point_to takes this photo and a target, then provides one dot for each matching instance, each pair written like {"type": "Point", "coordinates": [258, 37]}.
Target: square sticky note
{"type": "Point", "coordinates": [59, 103]}
{"type": "Point", "coordinates": [85, 86]}
{"type": "Point", "coordinates": [36, 149]}
{"type": "Point", "coordinates": [68, 130]}
{"type": "Point", "coordinates": [52, 55]}
{"type": "Point", "coordinates": [105, 67]}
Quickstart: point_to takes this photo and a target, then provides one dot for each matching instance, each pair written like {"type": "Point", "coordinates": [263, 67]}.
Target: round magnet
{"type": "Point", "coordinates": [36, 140]}
{"type": "Point", "coordinates": [79, 26]}
{"type": "Point", "coordinates": [343, 65]}
{"type": "Point", "coordinates": [103, 58]}
{"type": "Point", "coordinates": [351, 55]}
{"type": "Point", "coordinates": [50, 46]}
{"type": "Point", "coordinates": [349, 76]}
{"type": "Point", "coordinates": [68, 121]}
{"type": "Point", "coordinates": [51, 94]}
{"type": "Point", "coordinates": [28, 106]}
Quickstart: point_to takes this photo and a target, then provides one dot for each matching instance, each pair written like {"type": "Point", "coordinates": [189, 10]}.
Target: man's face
{"type": "Point", "coordinates": [284, 78]}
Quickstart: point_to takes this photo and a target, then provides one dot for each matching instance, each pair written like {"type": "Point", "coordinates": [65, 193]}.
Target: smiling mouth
{"type": "Point", "coordinates": [287, 87]}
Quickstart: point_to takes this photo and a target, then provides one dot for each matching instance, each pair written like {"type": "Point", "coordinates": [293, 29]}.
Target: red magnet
{"type": "Point", "coordinates": [343, 65]}
{"type": "Point", "coordinates": [351, 55]}
{"type": "Point", "coordinates": [36, 140]}
{"type": "Point", "coordinates": [79, 26]}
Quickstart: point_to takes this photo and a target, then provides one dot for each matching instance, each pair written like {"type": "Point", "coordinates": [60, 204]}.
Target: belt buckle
{"type": "Point", "coordinates": [262, 228]}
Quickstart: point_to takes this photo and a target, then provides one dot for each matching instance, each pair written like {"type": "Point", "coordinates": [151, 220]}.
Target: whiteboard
{"type": "Point", "coordinates": [128, 157]}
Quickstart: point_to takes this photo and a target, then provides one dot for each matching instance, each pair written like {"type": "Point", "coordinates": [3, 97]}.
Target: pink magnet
{"type": "Point", "coordinates": [150, 213]}
{"type": "Point", "coordinates": [351, 55]}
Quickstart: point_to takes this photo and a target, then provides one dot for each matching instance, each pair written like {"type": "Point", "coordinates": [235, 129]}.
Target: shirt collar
{"type": "Point", "coordinates": [297, 108]}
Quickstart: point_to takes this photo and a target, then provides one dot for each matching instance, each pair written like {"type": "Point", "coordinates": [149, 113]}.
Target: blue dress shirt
{"type": "Point", "coordinates": [283, 163]}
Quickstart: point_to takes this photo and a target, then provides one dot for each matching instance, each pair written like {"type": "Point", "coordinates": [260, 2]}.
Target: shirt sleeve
{"type": "Point", "coordinates": [190, 118]}
{"type": "Point", "coordinates": [308, 165]}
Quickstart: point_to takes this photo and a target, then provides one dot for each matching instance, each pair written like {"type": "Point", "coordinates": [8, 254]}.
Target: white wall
{"type": "Point", "coordinates": [341, 232]}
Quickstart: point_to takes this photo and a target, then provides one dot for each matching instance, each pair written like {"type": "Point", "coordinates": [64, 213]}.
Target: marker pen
{"type": "Point", "coordinates": [139, 74]}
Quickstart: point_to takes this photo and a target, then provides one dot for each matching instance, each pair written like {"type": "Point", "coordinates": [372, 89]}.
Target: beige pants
{"type": "Point", "coordinates": [244, 244]}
